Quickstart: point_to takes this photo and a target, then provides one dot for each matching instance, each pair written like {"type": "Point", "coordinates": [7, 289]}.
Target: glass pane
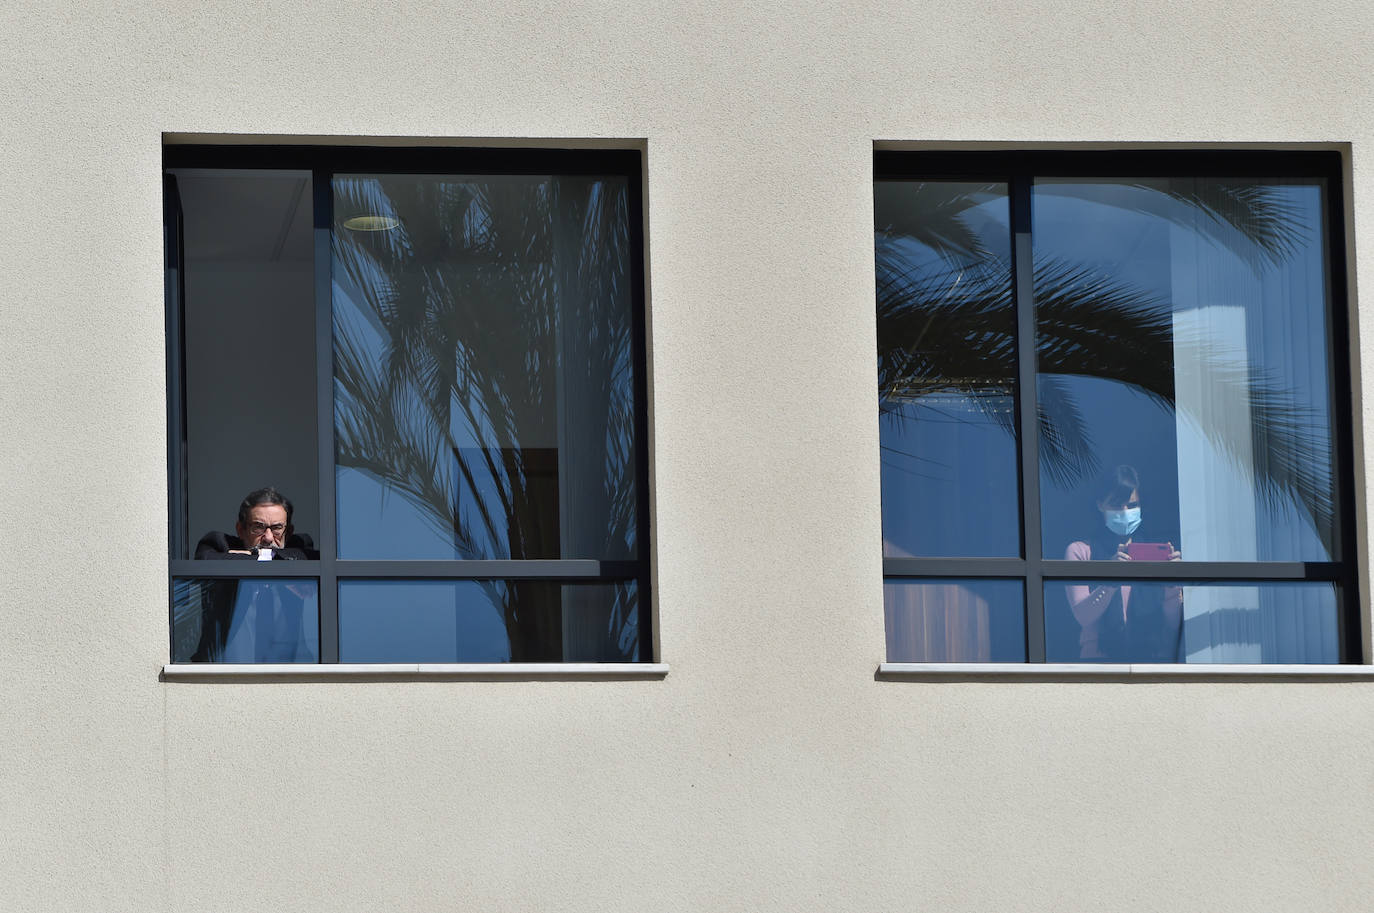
{"type": "Point", "coordinates": [484, 380]}
{"type": "Point", "coordinates": [248, 320]}
{"type": "Point", "coordinates": [487, 621]}
{"type": "Point", "coordinates": [946, 369]}
{"type": "Point", "coordinates": [1154, 622]}
{"type": "Point", "coordinates": [971, 621]}
{"type": "Point", "coordinates": [222, 620]}
{"type": "Point", "coordinates": [1183, 333]}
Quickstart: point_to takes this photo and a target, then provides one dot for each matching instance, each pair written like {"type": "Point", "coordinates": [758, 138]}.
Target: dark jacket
{"type": "Point", "coordinates": [1140, 636]}
{"type": "Point", "coordinates": [299, 547]}
{"type": "Point", "coordinates": [220, 596]}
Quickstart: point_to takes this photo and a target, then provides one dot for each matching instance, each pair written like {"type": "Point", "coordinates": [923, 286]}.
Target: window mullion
{"type": "Point", "coordinates": [1352, 635]}
{"type": "Point", "coordinates": [1238, 572]}
{"type": "Point", "coordinates": [488, 569]}
{"type": "Point", "coordinates": [324, 414]}
{"type": "Point", "coordinates": [1028, 421]}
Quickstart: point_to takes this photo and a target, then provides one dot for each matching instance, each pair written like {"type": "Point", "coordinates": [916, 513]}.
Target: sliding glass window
{"type": "Point", "coordinates": [437, 358]}
{"type": "Point", "coordinates": [1115, 409]}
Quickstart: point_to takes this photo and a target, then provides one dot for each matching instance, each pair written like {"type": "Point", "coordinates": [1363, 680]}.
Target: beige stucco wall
{"type": "Point", "coordinates": [769, 770]}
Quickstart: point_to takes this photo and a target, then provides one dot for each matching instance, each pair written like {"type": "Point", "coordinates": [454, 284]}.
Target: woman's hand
{"type": "Point", "coordinates": [1121, 553]}
{"type": "Point", "coordinates": [1174, 554]}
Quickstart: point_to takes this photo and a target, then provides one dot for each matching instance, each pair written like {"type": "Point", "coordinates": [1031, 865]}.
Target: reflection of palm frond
{"type": "Point", "coordinates": [382, 431]}
{"type": "Point", "coordinates": [1269, 224]}
{"type": "Point", "coordinates": [1291, 456]}
{"type": "Point", "coordinates": [933, 215]}
{"type": "Point", "coordinates": [1081, 313]}
{"type": "Point", "coordinates": [1092, 327]}
{"type": "Point", "coordinates": [1254, 221]}
{"type": "Point", "coordinates": [1066, 445]}
{"type": "Point", "coordinates": [926, 313]}
{"type": "Point", "coordinates": [446, 384]}
{"type": "Point", "coordinates": [952, 328]}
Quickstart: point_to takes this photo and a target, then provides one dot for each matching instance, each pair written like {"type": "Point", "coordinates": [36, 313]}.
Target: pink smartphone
{"type": "Point", "coordinates": [1148, 551]}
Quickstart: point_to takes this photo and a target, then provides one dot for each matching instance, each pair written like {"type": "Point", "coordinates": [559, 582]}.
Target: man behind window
{"type": "Point", "coordinates": [259, 621]}
{"type": "Point", "coordinates": [264, 532]}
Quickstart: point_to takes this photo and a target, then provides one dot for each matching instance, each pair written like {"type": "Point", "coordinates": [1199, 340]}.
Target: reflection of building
{"type": "Point", "coordinates": [768, 768]}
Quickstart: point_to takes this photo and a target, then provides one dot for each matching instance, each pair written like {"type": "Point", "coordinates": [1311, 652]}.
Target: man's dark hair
{"type": "Point", "coordinates": [267, 495]}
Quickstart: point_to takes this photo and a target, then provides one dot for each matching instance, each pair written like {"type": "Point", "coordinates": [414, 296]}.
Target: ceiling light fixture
{"type": "Point", "coordinates": [371, 223]}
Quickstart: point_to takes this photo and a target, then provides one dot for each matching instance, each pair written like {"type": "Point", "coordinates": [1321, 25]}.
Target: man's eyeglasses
{"type": "Point", "coordinates": [257, 528]}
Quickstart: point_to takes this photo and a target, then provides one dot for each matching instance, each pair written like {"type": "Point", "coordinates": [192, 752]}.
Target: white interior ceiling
{"type": "Point", "coordinates": [237, 215]}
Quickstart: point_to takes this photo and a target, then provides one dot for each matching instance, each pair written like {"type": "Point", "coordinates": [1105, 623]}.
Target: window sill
{"type": "Point", "coordinates": [393, 672]}
{"type": "Point", "coordinates": [1118, 671]}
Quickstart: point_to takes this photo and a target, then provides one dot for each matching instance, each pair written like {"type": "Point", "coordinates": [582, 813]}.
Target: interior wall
{"type": "Point", "coordinates": [250, 391]}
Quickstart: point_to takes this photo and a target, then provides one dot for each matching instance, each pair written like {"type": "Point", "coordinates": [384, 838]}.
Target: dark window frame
{"type": "Point", "coordinates": [1018, 170]}
{"type": "Point", "coordinates": [323, 162]}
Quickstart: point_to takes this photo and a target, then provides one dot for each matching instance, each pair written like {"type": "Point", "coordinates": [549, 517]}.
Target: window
{"type": "Point", "coordinates": [438, 356]}
{"type": "Point", "coordinates": [1115, 408]}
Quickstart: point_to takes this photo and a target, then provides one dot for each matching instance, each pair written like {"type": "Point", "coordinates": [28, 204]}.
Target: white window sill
{"type": "Point", "coordinates": [202, 672]}
{"type": "Point", "coordinates": [1121, 671]}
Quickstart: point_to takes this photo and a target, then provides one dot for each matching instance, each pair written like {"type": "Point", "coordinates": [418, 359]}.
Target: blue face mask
{"type": "Point", "coordinates": [1122, 522]}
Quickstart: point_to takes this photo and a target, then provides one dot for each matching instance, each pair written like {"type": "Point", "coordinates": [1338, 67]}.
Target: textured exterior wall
{"type": "Point", "coordinates": [769, 770]}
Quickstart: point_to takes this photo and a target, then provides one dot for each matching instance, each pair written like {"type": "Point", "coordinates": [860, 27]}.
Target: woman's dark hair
{"type": "Point", "coordinates": [264, 496]}
{"type": "Point", "coordinates": [1117, 485]}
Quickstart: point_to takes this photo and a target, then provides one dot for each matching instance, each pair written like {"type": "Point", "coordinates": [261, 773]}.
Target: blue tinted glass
{"type": "Point", "coordinates": [1153, 622]}
{"type": "Point", "coordinates": [484, 378]}
{"type": "Point", "coordinates": [1183, 332]}
{"type": "Point", "coordinates": [975, 621]}
{"type": "Point", "coordinates": [222, 620]}
{"type": "Point", "coordinates": [946, 369]}
{"type": "Point", "coordinates": [487, 621]}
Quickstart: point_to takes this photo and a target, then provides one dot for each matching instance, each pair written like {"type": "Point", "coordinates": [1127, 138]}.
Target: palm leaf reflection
{"type": "Point", "coordinates": [1254, 221]}
{"type": "Point", "coordinates": [947, 326]}
{"type": "Point", "coordinates": [490, 349]}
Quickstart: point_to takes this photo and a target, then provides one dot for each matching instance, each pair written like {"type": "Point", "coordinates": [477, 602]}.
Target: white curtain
{"type": "Point", "coordinates": [1241, 327]}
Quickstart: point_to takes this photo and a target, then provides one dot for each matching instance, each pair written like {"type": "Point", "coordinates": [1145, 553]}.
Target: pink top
{"type": "Point", "coordinates": [1089, 602]}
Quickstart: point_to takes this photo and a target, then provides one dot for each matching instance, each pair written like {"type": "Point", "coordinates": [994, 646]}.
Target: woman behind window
{"type": "Point", "coordinates": [1124, 623]}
